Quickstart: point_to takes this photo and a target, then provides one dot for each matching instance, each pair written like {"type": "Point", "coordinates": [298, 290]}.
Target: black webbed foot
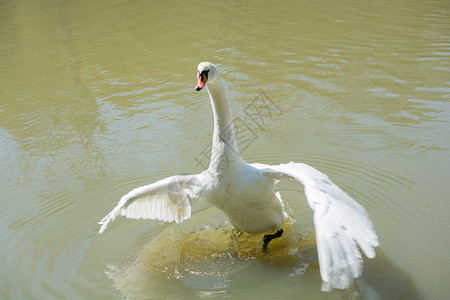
{"type": "Point", "coordinates": [268, 237]}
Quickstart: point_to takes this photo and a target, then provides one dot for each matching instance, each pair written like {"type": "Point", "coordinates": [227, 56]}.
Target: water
{"type": "Point", "coordinates": [97, 97]}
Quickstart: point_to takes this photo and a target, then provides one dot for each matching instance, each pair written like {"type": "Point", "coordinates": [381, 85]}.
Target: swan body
{"type": "Point", "coordinates": [246, 194]}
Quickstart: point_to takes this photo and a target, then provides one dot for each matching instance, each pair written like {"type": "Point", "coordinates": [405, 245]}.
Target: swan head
{"type": "Point", "coordinates": [206, 71]}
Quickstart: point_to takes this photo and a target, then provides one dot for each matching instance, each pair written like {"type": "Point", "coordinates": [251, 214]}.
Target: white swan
{"type": "Point", "coordinates": [245, 193]}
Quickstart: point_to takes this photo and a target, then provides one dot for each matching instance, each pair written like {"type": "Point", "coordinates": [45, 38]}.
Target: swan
{"type": "Point", "coordinates": [245, 193]}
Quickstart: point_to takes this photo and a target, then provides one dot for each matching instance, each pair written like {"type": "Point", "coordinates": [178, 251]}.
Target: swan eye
{"type": "Point", "coordinates": [204, 73]}
{"type": "Point", "coordinates": [203, 76]}
{"type": "Point", "coordinates": [202, 79]}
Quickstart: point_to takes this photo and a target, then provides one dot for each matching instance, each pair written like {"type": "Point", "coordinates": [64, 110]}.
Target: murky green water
{"type": "Point", "coordinates": [97, 97]}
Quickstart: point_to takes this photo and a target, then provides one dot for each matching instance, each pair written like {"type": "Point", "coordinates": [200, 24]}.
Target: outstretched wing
{"type": "Point", "coordinates": [167, 200]}
{"type": "Point", "coordinates": [341, 224]}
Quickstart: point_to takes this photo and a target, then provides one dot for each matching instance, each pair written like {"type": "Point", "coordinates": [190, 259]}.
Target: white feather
{"type": "Point", "coordinates": [341, 224]}
{"type": "Point", "coordinates": [165, 200]}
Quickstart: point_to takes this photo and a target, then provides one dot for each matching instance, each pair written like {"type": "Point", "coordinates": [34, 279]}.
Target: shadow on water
{"type": "Point", "coordinates": [218, 261]}
{"type": "Point", "coordinates": [382, 279]}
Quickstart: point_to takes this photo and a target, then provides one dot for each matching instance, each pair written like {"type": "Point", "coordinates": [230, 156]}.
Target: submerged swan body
{"type": "Point", "coordinates": [246, 194]}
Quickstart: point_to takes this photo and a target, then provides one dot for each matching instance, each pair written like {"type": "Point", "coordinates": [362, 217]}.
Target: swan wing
{"type": "Point", "coordinates": [341, 224]}
{"type": "Point", "coordinates": [167, 200]}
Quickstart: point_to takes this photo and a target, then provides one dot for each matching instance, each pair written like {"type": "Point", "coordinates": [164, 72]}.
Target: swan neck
{"type": "Point", "coordinates": [224, 140]}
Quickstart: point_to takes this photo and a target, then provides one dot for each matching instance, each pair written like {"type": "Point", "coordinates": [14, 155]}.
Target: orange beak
{"type": "Point", "coordinates": [202, 79]}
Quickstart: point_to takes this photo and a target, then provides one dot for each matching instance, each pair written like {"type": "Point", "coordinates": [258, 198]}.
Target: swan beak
{"type": "Point", "coordinates": [202, 79]}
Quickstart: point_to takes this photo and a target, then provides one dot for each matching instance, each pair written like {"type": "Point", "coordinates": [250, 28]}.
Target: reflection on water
{"type": "Point", "coordinates": [210, 261]}
{"type": "Point", "coordinates": [215, 261]}
{"type": "Point", "coordinates": [96, 98]}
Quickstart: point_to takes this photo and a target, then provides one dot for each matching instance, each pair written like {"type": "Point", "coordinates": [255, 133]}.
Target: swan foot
{"type": "Point", "coordinates": [268, 237]}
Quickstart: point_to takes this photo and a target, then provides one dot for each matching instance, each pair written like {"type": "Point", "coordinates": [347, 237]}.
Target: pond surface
{"type": "Point", "coordinates": [97, 98]}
